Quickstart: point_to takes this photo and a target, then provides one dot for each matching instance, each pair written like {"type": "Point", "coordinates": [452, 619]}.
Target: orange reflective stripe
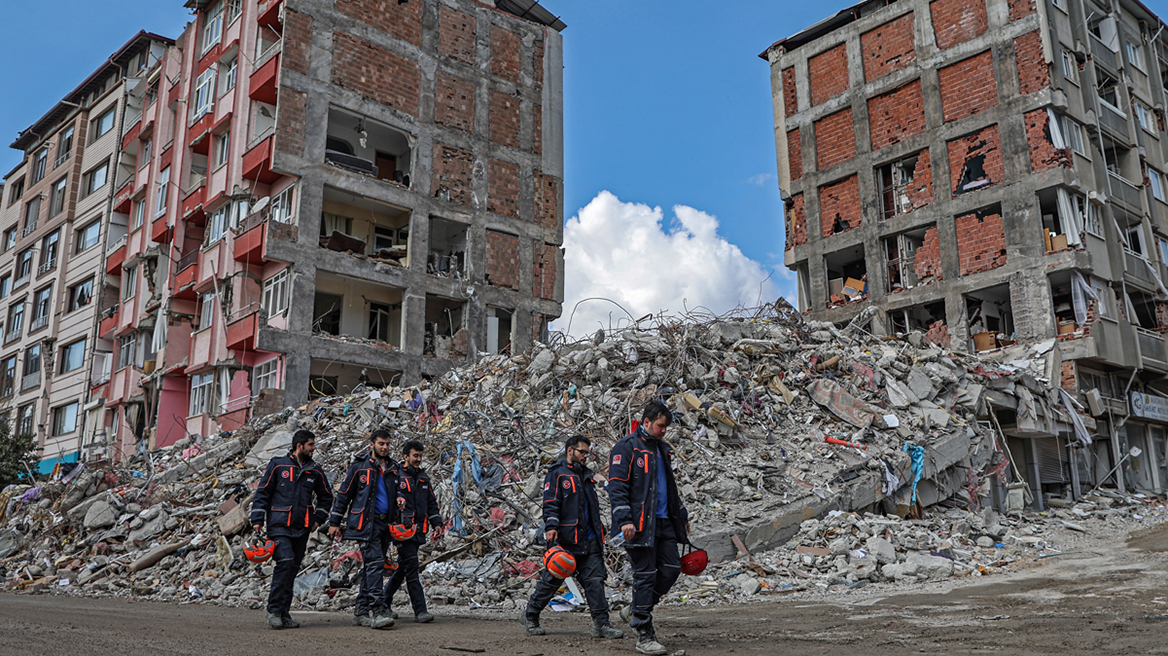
{"type": "Point", "coordinates": [361, 520]}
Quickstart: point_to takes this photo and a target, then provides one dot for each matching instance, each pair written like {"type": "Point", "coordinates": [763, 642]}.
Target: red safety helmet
{"type": "Point", "coordinates": [257, 553]}
{"type": "Point", "coordinates": [694, 562]}
{"type": "Point", "coordinates": [559, 562]}
{"type": "Point", "coordinates": [401, 533]}
{"type": "Point", "coordinates": [390, 565]}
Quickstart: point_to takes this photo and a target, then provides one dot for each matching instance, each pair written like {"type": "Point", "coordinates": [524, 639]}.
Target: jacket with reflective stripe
{"type": "Point", "coordinates": [566, 492]}
{"type": "Point", "coordinates": [357, 495]}
{"type": "Point", "coordinates": [632, 488]}
{"type": "Point", "coordinates": [284, 496]}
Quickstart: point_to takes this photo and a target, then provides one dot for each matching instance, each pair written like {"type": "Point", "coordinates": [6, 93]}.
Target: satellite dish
{"type": "Point", "coordinates": [261, 204]}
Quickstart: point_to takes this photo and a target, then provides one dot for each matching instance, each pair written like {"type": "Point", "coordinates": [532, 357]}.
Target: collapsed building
{"type": "Point", "coordinates": [292, 199]}
{"type": "Point", "coordinates": [887, 460]}
{"type": "Point", "coordinates": [991, 172]}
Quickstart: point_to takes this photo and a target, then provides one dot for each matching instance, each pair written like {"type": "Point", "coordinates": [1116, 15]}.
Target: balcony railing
{"type": "Point", "coordinates": [187, 261]}
{"type": "Point", "coordinates": [1113, 118]}
{"type": "Point", "coordinates": [1101, 52]}
{"type": "Point", "coordinates": [21, 281]}
{"type": "Point", "coordinates": [116, 245]}
{"type": "Point", "coordinates": [38, 323]}
{"type": "Point", "coordinates": [1151, 345]}
{"type": "Point", "coordinates": [28, 229]}
{"type": "Point", "coordinates": [30, 381]}
{"type": "Point", "coordinates": [1125, 191]}
{"type": "Point", "coordinates": [47, 266]}
{"type": "Point", "coordinates": [11, 336]}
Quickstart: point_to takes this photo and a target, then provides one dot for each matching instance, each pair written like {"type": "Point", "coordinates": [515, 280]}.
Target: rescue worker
{"type": "Point", "coordinates": [366, 505]}
{"type": "Point", "coordinates": [292, 498]}
{"type": "Point", "coordinates": [571, 519]}
{"type": "Point", "coordinates": [418, 503]}
{"type": "Point", "coordinates": [647, 512]}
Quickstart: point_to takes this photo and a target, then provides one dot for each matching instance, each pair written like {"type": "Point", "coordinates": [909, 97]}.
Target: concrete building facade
{"type": "Point", "coordinates": [309, 196]}
{"type": "Point", "coordinates": [53, 218]}
{"type": "Point", "coordinates": [987, 172]}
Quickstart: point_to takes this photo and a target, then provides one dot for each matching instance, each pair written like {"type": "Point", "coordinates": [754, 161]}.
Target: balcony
{"type": "Point", "coordinates": [122, 200]}
{"type": "Point", "coordinates": [109, 322]}
{"type": "Point", "coordinates": [257, 162]}
{"type": "Point", "coordinates": [243, 329]}
{"type": "Point", "coordinates": [1152, 350]}
{"type": "Point", "coordinates": [1102, 53]}
{"type": "Point", "coordinates": [1126, 192]}
{"type": "Point", "coordinates": [194, 197]}
{"type": "Point", "coordinates": [132, 134]}
{"type": "Point", "coordinates": [199, 134]}
{"type": "Point", "coordinates": [28, 229]}
{"type": "Point", "coordinates": [30, 381]}
{"type": "Point", "coordinates": [38, 323]}
{"type": "Point", "coordinates": [186, 275]}
{"type": "Point", "coordinates": [160, 231]}
{"type": "Point", "coordinates": [251, 242]}
{"type": "Point", "coordinates": [262, 85]}
{"type": "Point", "coordinates": [269, 15]}
{"type": "Point", "coordinates": [47, 267]}
{"type": "Point", "coordinates": [1113, 119]}
{"type": "Point", "coordinates": [116, 257]}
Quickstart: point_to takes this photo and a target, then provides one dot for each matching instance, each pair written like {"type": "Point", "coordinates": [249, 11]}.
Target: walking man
{"type": "Point", "coordinates": [418, 502]}
{"type": "Point", "coordinates": [366, 505]}
{"type": "Point", "coordinates": [647, 512]}
{"type": "Point", "coordinates": [293, 498]}
{"type": "Point", "coordinates": [571, 519]}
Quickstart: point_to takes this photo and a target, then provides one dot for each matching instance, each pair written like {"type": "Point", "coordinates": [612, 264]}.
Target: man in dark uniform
{"type": "Point", "coordinates": [284, 500]}
{"type": "Point", "coordinates": [648, 513]}
{"type": "Point", "coordinates": [571, 519]}
{"type": "Point", "coordinates": [419, 510]}
{"type": "Point", "coordinates": [366, 505]}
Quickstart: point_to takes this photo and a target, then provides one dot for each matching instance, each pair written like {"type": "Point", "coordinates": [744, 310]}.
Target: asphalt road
{"type": "Point", "coordinates": [1079, 603]}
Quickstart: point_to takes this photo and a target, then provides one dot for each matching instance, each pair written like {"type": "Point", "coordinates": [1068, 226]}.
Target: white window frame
{"type": "Point", "coordinates": [1092, 219]}
{"type": "Point", "coordinates": [217, 225]}
{"type": "Point", "coordinates": [71, 303]}
{"type": "Point", "coordinates": [94, 181]}
{"type": "Point", "coordinates": [223, 378]}
{"type": "Point", "coordinates": [204, 94]}
{"type": "Point", "coordinates": [283, 207]}
{"type": "Point", "coordinates": [161, 192]}
{"type": "Point", "coordinates": [202, 386]}
{"type": "Point", "coordinates": [1158, 190]}
{"type": "Point", "coordinates": [1070, 68]}
{"type": "Point", "coordinates": [1145, 117]}
{"type": "Point", "coordinates": [275, 294]}
{"type": "Point", "coordinates": [57, 195]}
{"type": "Point", "coordinates": [228, 72]}
{"type": "Point", "coordinates": [137, 214]}
{"type": "Point", "coordinates": [207, 310]}
{"type": "Point", "coordinates": [1073, 134]}
{"type": "Point", "coordinates": [266, 375]}
{"type": "Point", "coordinates": [61, 415]}
{"type": "Point", "coordinates": [233, 11]}
{"type": "Point", "coordinates": [222, 148]}
{"type": "Point", "coordinates": [104, 123]}
{"type": "Point", "coordinates": [82, 235]}
{"type": "Point", "coordinates": [1135, 55]}
{"type": "Point", "coordinates": [127, 350]}
{"type": "Point", "coordinates": [129, 282]}
{"type": "Point", "coordinates": [212, 27]}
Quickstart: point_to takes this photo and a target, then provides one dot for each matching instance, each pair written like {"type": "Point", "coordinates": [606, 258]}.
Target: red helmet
{"type": "Point", "coordinates": [257, 553]}
{"type": "Point", "coordinates": [694, 562]}
{"type": "Point", "coordinates": [390, 565]}
{"type": "Point", "coordinates": [559, 562]}
{"type": "Point", "coordinates": [401, 533]}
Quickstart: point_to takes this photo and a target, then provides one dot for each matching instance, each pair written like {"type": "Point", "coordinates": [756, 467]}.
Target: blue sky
{"type": "Point", "coordinates": [666, 103]}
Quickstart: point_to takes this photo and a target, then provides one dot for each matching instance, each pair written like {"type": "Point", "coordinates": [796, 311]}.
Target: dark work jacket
{"type": "Point", "coordinates": [632, 488]}
{"type": "Point", "coordinates": [357, 495]}
{"type": "Point", "coordinates": [284, 496]}
{"type": "Point", "coordinates": [421, 507]}
{"type": "Point", "coordinates": [567, 490]}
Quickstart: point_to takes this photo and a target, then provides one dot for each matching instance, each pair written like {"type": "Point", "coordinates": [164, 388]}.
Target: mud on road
{"type": "Point", "coordinates": [1111, 599]}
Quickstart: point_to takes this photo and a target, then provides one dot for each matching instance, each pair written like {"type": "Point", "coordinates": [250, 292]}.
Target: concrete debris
{"type": "Point", "coordinates": [790, 437]}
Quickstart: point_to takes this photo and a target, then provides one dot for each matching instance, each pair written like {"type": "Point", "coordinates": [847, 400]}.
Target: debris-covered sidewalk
{"type": "Point", "coordinates": [810, 457]}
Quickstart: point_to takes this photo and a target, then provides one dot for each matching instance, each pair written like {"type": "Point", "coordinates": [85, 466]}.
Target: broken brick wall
{"type": "Point", "coordinates": [1067, 378]}
{"type": "Point", "coordinates": [456, 34]}
{"type": "Point", "coordinates": [975, 161]}
{"type": "Point", "coordinates": [958, 21]}
{"type": "Point", "coordinates": [968, 87]}
{"type": "Point", "coordinates": [796, 222]}
{"type": "Point", "coordinates": [920, 190]}
{"type": "Point", "coordinates": [547, 200]}
{"type": "Point", "coordinates": [403, 21]}
{"type": "Point", "coordinates": [927, 261]}
{"type": "Point", "coordinates": [896, 115]}
{"type": "Point", "coordinates": [938, 334]}
{"type": "Point", "coordinates": [828, 73]}
{"type": "Point", "coordinates": [1043, 154]}
{"type": "Point", "coordinates": [1033, 72]}
{"type": "Point", "coordinates": [502, 260]}
{"type": "Point", "coordinates": [981, 242]}
{"type": "Point", "coordinates": [503, 195]}
{"type": "Point", "coordinates": [505, 48]}
{"type": "Point", "coordinates": [454, 102]}
{"type": "Point", "coordinates": [790, 100]}
{"type": "Point", "coordinates": [452, 173]}
{"type": "Point", "coordinates": [839, 206]}
{"type": "Point", "coordinates": [835, 140]}
{"type": "Point", "coordinates": [795, 154]}
{"type": "Point", "coordinates": [888, 48]}
{"type": "Point", "coordinates": [376, 73]}
{"type": "Point", "coordinates": [543, 284]}
{"type": "Point", "coordinates": [1020, 9]}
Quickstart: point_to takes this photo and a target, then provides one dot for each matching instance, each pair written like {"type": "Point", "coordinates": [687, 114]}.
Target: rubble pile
{"type": "Point", "coordinates": [783, 428]}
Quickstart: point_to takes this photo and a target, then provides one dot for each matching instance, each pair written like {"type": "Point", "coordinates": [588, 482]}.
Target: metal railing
{"type": "Point", "coordinates": [28, 229]}
{"type": "Point", "coordinates": [31, 380]}
{"type": "Point", "coordinates": [121, 241]}
{"type": "Point", "coordinates": [47, 266]}
{"type": "Point", "coordinates": [39, 322]}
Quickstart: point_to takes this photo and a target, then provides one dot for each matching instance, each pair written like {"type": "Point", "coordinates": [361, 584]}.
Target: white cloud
{"type": "Point", "coordinates": [761, 179]}
{"type": "Point", "coordinates": [622, 251]}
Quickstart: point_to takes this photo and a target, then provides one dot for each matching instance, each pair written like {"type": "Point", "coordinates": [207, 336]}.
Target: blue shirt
{"type": "Point", "coordinates": [381, 502]}
{"type": "Point", "coordinates": [662, 485]}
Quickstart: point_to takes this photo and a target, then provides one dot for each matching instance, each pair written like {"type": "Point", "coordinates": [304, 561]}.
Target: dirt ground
{"type": "Point", "coordinates": [1106, 597]}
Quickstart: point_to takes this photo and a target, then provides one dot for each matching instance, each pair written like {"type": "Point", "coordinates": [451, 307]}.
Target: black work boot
{"type": "Point", "coordinates": [275, 621]}
{"type": "Point", "coordinates": [531, 623]}
{"type": "Point", "coordinates": [605, 630]}
{"type": "Point", "coordinates": [647, 642]}
{"type": "Point", "coordinates": [289, 623]}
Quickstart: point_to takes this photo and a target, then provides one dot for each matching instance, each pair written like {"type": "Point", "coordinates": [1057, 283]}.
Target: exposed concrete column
{"type": "Point", "coordinates": [413, 322]}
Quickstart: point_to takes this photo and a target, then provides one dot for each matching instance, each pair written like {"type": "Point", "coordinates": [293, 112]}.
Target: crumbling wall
{"type": "Point", "coordinates": [888, 48]}
{"type": "Point", "coordinates": [502, 259]}
{"type": "Point", "coordinates": [927, 261]}
{"type": "Point", "coordinates": [790, 99]}
{"type": "Point", "coordinates": [938, 335]}
{"type": "Point", "coordinates": [828, 74]}
{"type": "Point", "coordinates": [452, 173]}
{"type": "Point", "coordinates": [795, 154]}
{"type": "Point", "coordinates": [375, 72]}
{"type": "Point", "coordinates": [504, 119]}
{"type": "Point", "coordinates": [975, 161]}
{"type": "Point", "coordinates": [957, 21]}
{"type": "Point", "coordinates": [920, 192]}
{"type": "Point", "coordinates": [503, 195]}
{"type": "Point", "coordinates": [547, 203]}
{"type": "Point", "coordinates": [454, 102]}
{"type": "Point", "coordinates": [1033, 72]}
{"type": "Point", "coordinates": [796, 222]}
{"type": "Point", "coordinates": [968, 87]}
{"type": "Point", "coordinates": [1043, 154]}
{"type": "Point", "coordinates": [456, 34]}
{"type": "Point", "coordinates": [981, 242]}
{"type": "Point", "coordinates": [835, 139]}
{"type": "Point", "coordinates": [1020, 9]}
{"type": "Point", "coordinates": [544, 271]}
{"type": "Point", "coordinates": [839, 206]}
{"type": "Point", "coordinates": [896, 115]}
{"type": "Point", "coordinates": [402, 20]}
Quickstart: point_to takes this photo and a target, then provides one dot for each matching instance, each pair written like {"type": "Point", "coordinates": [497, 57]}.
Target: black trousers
{"type": "Point", "coordinates": [407, 571]}
{"type": "Point", "coordinates": [290, 547]}
{"type": "Point", "coordinates": [373, 569]}
{"type": "Point", "coordinates": [590, 574]}
{"type": "Point", "coordinates": [655, 570]}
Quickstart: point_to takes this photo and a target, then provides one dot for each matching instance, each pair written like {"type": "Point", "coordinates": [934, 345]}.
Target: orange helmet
{"type": "Point", "coordinates": [559, 562]}
{"type": "Point", "coordinates": [390, 565]}
{"type": "Point", "coordinates": [401, 533]}
{"type": "Point", "coordinates": [259, 554]}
